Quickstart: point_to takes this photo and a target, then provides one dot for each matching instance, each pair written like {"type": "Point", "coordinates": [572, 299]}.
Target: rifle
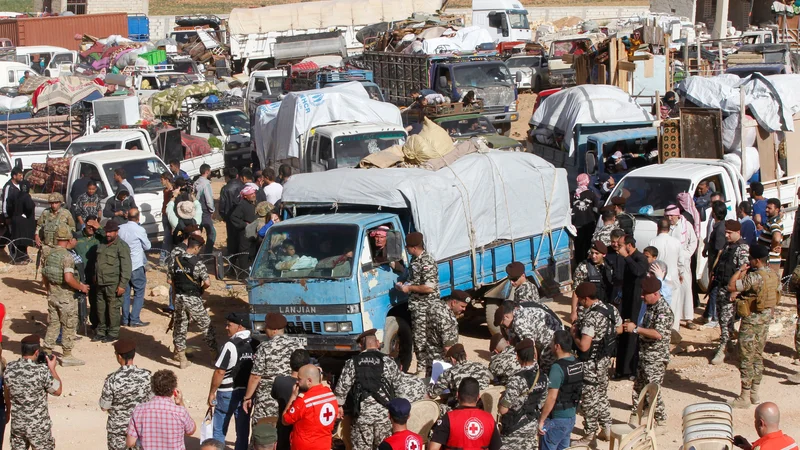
{"type": "Point", "coordinates": [171, 321]}
{"type": "Point", "coordinates": [38, 263]}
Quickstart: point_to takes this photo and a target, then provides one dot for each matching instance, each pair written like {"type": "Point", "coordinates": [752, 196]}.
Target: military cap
{"type": "Point", "coordinates": [495, 341]}
{"type": "Point", "coordinates": [600, 247]}
{"type": "Point", "coordinates": [759, 251]}
{"type": "Point", "coordinates": [264, 433]}
{"type": "Point", "coordinates": [239, 318]}
{"type": "Point", "coordinates": [31, 339]}
{"type": "Point", "coordinates": [651, 285]}
{"type": "Point", "coordinates": [123, 346]}
{"type": "Point", "coordinates": [275, 321]}
{"type": "Point", "coordinates": [618, 201]}
{"type": "Point", "coordinates": [523, 344]}
{"type": "Point", "coordinates": [585, 290]}
{"type": "Point", "coordinates": [414, 239]}
{"type": "Point", "coordinates": [461, 296]}
{"type": "Point", "coordinates": [55, 197]}
{"type": "Point", "coordinates": [111, 226]}
{"type": "Point", "coordinates": [399, 407]}
{"type": "Point", "coordinates": [370, 332]}
{"type": "Point", "coordinates": [515, 270]}
{"type": "Point", "coordinates": [63, 233]}
{"type": "Point", "coordinates": [733, 226]}
{"type": "Point", "coordinates": [455, 350]}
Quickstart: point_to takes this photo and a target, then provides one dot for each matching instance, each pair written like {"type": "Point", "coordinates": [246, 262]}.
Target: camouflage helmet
{"type": "Point", "coordinates": [63, 233]}
{"type": "Point", "coordinates": [55, 197]}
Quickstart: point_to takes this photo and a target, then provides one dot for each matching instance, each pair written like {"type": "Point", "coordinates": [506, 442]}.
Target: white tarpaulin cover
{"type": "Point", "coordinates": [563, 110]}
{"type": "Point", "coordinates": [773, 100]}
{"type": "Point", "coordinates": [475, 196]}
{"type": "Point", "coordinates": [325, 14]}
{"type": "Point", "coordinates": [465, 39]}
{"type": "Point", "coordinates": [278, 126]}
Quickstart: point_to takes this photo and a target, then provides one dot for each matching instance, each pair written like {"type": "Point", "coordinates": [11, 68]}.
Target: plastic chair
{"type": "Point", "coordinates": [424, 414]}
{"type": "Point", "coordinates": [708, 406]}
{"type": "Point", "coordinates": [578, 447]}
{"type": "Point", "coordinates": [709, 415]}
{"type": "Point", "coordinates": [641, 438]}
{"type": "Point", "coordinates": [621, 430]}
{"type": "Point", "coordinates": [342, 432]}
{"type": "Point", "coordinates": [707, 427]}
{"type": "Point", "coordinates": [708, 444]}
{"type": "Point", "coordinates": [697, 420]}
{"type": "Point", "coordinates": [491, 399]}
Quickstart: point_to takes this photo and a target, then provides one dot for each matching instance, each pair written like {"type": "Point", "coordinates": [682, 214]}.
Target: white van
{"type": "Point", "coordinates": [48, 60]}
{"type": "Point", "coordinates": [11, 72]}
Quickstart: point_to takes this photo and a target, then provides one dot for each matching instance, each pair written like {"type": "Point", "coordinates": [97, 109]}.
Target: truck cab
{"type": "Point", "coordinates": [505, 20]}
{"type": "Point", "coordinates": [561, 72]}
{"type": "Point", "coordinates": [231, 127]}
{"type": "Point", "coordinates": [535, 71]}
{"type": "Point", "coordinates": [264, 85]}
{"type": "Point", "coordinates": [346, 143]}
{"type": "Point", "coordinates": [129, 139]}
{"type": "Point", "coordinates": [153, 79]}
{"type": "Point", "coordinates": [47, 60]}
{"type": "Point", "coordinates": [365, 77]}
{"type": "Point", "coordinates": [11, 72]}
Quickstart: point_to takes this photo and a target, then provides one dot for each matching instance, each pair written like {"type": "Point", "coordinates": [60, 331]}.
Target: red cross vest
{"type": "Point", "coordinates": [404, 440]}
{"type": "Point", "coordinates": [470, 429]}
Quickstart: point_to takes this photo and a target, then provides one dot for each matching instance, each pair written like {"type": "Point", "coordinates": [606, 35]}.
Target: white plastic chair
{"type": "Point", "coordinates": [621, 430]}
{"type": "Point", "coordinates": [424, 414]}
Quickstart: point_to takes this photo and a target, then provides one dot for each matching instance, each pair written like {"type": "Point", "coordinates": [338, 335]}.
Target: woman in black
{"type": "Point", "coordinates": [584, 217]}
{"type": "Point", "coordinates": [23, 224]}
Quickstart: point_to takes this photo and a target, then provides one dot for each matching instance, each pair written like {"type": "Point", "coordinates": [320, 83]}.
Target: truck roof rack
{"type": "Point", "coordinates": [467, 56]}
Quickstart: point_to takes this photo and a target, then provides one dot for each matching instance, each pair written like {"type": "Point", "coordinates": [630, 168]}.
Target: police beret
{"type": "Point", "coordinates": [275, 321]}
{"type": "Point", "coordinates": [239, 318]}
{"type": "Point", "coordinates": [523, 344]}
{"type": "Point", "coordinates": [600, 247]}
{"type": "Point", "coordinates": [733, 225]}
{"type": "Point", "coordinates": [370, 332]}
{"type": "Point", "coordinates": [414, 239]}
{"type": "Point", "coordinates": [460, 296]}
{"type": "Point", "coordinates": [111, 226]}
{"type": "Point", "coordinates": [651, 285]}
{"type": "Point", "coordinates": [498, 317]}
{"type": "Point", "coordinates": [585, 290]}
{"type": "Point", "coordinates": [455, 350]}
{"type": "Point", "coordinates": [123, 346]}
{"type": "Point", "coordinates": [759, 251]}
{"type": "Point", "coordinates": [31, 339]}
{"type": "Point", "coordinates": [495, 341]}
{"type": "Point", "coordinates": [618, 201]}
{"type": "Point", "coordinates": [515, 270]}
{"type": "Point", "coordinates": [399, 407]}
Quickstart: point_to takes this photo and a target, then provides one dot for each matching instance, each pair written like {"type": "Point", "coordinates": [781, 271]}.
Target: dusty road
{"type": "Point", "coordinates": [80, 424]}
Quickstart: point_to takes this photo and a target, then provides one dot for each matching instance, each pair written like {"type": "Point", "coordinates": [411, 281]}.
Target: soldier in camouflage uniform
{"type": "Point", "coordinates": [423, 289]}
{"type": "Point", "coordinates": [189, 278]}
{"type": "Point", "coordinates": [179, 250]}
{"type": "Point", "coordinates": [536, 322]}
{"type": "Point", "coordinates": [522, 401]}
{"type": "Point", "coordinates": [442, 327]}
{"type": "Point", "coordinates": [28, 384]}
{"type": "Point", "coordinates": [503, 362]}
{"type": "Point", "coordinates": [603, 232]}
{"type": "Point", "coordinates": [271, 359]}
{"type": "Point", "coordinates": [61, 281]}
{"type": "Point", "coordinates": [733, 256]}
{"type": "Point", "coordinates": [758, 293]}
{"type": "Point", "coordinates": [49, 221]}
{"type": "Point", "coordinates": [368, 383]}
{"type": "Point", "coordinates": [122, 391]}
{"type": "Point", "coordinates": [654, 335]}
{"type": "Point", "coordinates": [599, 323]}
{"type": "Point", "coordinates": [593, 270]}
{"type": "Point", "coordinates": [410, 387]}
{"type": "Point", "coordinates": [523, 290]}
{"type": "Point", "coordinates": [451, 378]}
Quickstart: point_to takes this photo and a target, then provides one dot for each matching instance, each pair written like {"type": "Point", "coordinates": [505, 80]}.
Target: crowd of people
{"type": "Point", "coordinates": [628, 304]}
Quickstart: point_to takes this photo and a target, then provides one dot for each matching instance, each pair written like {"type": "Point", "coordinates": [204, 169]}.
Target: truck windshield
{"type": "Point", "coordinates": [518, 19]}
{"type": "Point", "coordinates": [144, 174]}
{"type": "Point", "coordinates": [350, 150]}
{"type": "Point", "coordinates": [470, 126]}
{"type": "Point", "coordinates": [233, 122]}
{"type": "Point", "coordinates": [184, 67]}
{"type": "Point", "coordinates": [79, 148]}
{"type": "Point", "coordinates": [182, 37]}
{"type": "Point", "coordinates": [648, 197]}
{"type": "Point", "coordinates": [528, 61]}
{"type": "Point", "coordinates": [306, 251]}
{"type": "Point", "coordinates": [172, 80]}
{"type": "Point", "coordinates": [481, 75]}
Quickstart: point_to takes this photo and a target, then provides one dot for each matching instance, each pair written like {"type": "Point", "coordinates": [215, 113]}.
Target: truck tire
{"type": "Point", "coordinates": [398, 341]}
{"type": "Point", "coordinates": [491, 309]}
{"type": "Point", "coordinates": [537, 85]}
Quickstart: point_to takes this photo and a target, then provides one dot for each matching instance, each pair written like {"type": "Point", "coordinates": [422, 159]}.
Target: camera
{"type": "Point", "coordinates": [43, 357]}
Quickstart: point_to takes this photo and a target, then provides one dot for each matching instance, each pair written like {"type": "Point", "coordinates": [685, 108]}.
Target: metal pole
{"type": "Point", "coordinates": [742, 147]}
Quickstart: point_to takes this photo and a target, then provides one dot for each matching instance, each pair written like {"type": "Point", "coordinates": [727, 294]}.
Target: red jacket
{"type": "Point", "coordinates": [403, 440]}
{"type": "Point", "coordinates": [313, 415]}
{"type": "Point", "coordinates": [775, 441]}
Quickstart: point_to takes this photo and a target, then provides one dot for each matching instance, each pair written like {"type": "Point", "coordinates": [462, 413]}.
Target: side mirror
{"type": "Point", "coordinates": [442, 81]}
{"type": "Point", "coordinates": [518, 76]}
{"type": "Point", "coordinates": [18, 163]}
{"type": "Point", "coordinates": [331, 163]}
{"type": "Point", "coordinates": [394, 245]}
{"type": "Point", "coordinates": [591, 163]}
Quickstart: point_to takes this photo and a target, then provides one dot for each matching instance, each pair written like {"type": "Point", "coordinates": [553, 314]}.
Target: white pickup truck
{"type": "Point", "coordinates": [143, 173]}
{"type": "Point", "coordinates": [651, 188]}
{"type": "Point", "coordinates": [231, 127]}
{"type": "Point", "coordinates": [139, 139]}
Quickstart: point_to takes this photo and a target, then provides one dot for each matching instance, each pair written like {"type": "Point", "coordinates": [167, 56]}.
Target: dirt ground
{"type": "Point", "coordinates": [78, 422]}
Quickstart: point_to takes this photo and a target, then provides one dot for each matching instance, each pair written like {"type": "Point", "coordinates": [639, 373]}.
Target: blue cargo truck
{"type": "Point", "coordinates": [322, 270]}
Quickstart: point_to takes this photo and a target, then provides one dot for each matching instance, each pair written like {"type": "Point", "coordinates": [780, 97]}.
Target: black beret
{"type": "Point", "coordinates": [515, 270]}
{"type": "Point", "coordinates": [651, 285]}
{"type": "Point", "coordinates": [414, 239]}
{"type": "Point", "coordinates": [586, 289]}
{"type": "Point", "coordinates": [275, 321]}
{"type": "Point", "coordinates": [759, 251]}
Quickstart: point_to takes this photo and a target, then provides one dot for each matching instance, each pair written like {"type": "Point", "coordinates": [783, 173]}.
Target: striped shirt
{"type": "Point", "coordinates": [227, 360]}
{"type": "Point", "coordinates": [773, 224]}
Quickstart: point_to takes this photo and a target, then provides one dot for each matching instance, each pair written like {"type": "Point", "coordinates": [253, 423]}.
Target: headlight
{"type": "Point", "coordinates": [258, 326]}
{"type": "Point", "coordinates": [353, 309]}
{"type": "Point", "coordinates": [331, 327]}
{"type": "Point", "coordinates": [345, 326]}
{"type": "Point", "coordinates": [334, 327]}
{"type": "Point", "coordinates": [512, 107]}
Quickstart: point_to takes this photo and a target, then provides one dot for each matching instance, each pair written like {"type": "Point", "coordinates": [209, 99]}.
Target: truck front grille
{"type": "Point", "coordinates": [303, 327]}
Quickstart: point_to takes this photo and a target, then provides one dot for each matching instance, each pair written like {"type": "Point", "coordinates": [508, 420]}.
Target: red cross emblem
{"type": "Point", "coordinates": [412, 443]}
{"type": "Point", "coordinates": [473, 428]}
{"type": "Point", "coordinates": [326, 414]}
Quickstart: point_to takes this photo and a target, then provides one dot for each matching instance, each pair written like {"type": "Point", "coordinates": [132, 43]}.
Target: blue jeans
{"type": "Point", "coordinates": [229, 405]}
{"type": "Point", "coordinates": [166, 243]}
{"type": "Point", "coordinates": [207, 224]}
{"type": "Point", "coordinates": [711, 305]}
{"type": "Point", "coordinates": [557, 435]}
{"type": "Point", "coordinates": [139, 284]}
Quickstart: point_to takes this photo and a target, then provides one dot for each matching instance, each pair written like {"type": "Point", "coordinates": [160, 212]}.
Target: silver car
{"type": "Point", "coordinates": [534, 69]}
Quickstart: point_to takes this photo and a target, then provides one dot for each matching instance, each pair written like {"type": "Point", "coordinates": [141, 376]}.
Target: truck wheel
{"type": "Point", "coordinates": [398, 341]}
{"type": "Point", "coordinates": [491, 310]}
{"type": "Point", "coordinates": [537, 85]}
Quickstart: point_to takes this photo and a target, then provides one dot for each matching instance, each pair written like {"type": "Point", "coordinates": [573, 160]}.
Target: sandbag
{"type": "Point", "coordinates": [384, 158]}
